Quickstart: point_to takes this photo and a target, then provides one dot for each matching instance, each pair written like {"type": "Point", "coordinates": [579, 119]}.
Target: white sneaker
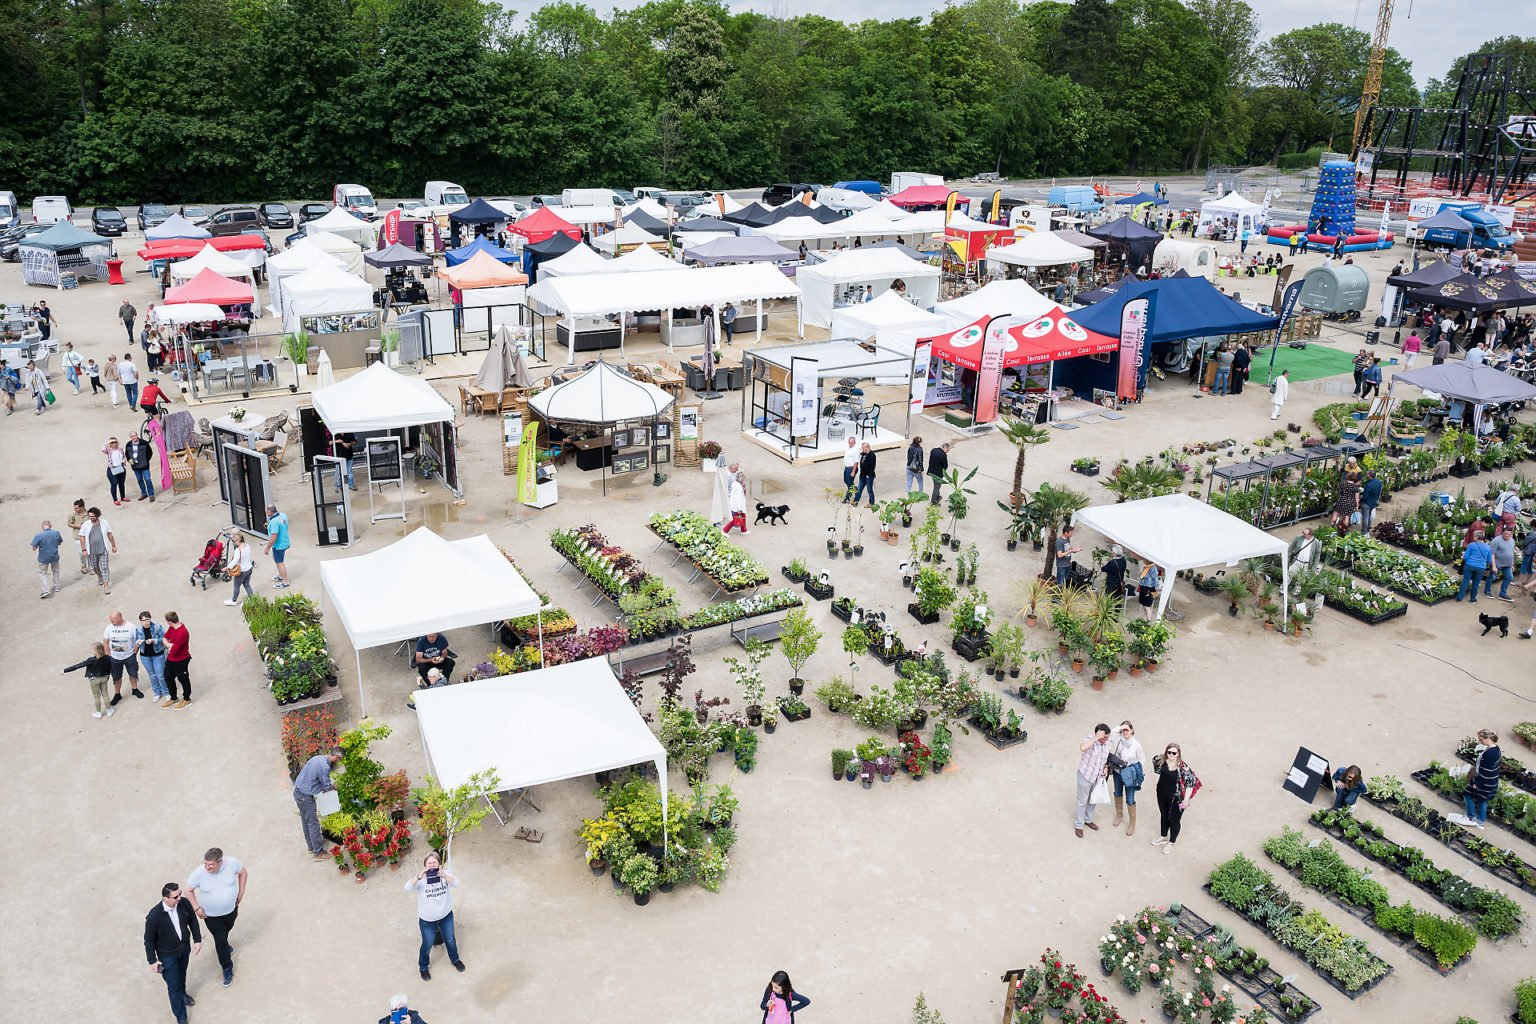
{"type": "Point", "coordinates": [232, 603]}
{"type": "Point", "coordinates": [1460, 819]}
{"type": "Point", "coordinates": [1160, 842]}
{"type": "Point", "coordinates": [1478, 824]}
{"type": "Point", "coordinates": [1168, 849]}
{"type": "Point", "coordinates": [95, 714]}
{"type": "Point", "coordinates": [111, 712]}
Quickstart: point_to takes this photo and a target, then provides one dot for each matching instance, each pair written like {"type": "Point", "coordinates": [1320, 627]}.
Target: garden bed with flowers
{"type": "Point", "coordinates": [1053, 987]}
{"type": "Point", "coordinates": [612, 570]}
{"type": "Point", "coordinates": [704, 545]}
{"type": "Point", "coordinates": [293, 647]}
{"type": "Point", "coordinates": [1372, 560]}
{"type": "Point", "coordinates": [1388, 793]}
{"type": "Point", "coordinates": [1366, 604]}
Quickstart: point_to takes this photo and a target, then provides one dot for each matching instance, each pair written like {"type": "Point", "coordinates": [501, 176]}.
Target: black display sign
{"type": "Point", "coordinates": [384, 462]}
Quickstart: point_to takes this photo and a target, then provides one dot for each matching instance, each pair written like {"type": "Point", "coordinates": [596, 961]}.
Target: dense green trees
{"type": "Point", "coordinates": [216, 100]}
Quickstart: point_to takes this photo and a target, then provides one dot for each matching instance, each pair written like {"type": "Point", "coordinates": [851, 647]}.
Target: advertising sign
{"type": "Point", "coordinates": [1133, 334]}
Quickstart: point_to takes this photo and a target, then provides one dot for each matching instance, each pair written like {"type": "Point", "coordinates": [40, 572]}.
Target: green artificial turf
{"type": "Point", "coordinates": [1308, 363]}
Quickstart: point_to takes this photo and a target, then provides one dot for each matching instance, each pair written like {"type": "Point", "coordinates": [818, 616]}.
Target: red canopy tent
{"type": "Point", "coordinates": [542, 225]}
{"type": "Point", "coordinates": [926, 195]}
{"type": "Point", "coordinates": [186, 248]}
{"type": "Point", "coordinates": [1044, 340]}
{"type": "Point", "coordinates": [211, 287]}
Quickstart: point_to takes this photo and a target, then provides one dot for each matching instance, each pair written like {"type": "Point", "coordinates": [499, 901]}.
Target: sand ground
{"type": "Point", "coordinates": [866, 898]}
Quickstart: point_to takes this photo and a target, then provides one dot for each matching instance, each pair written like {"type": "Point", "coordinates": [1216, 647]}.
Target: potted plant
{"type": "Point", "coordinates": [794, 708]}
{"type": "Point", "coordinates": [1035, 591]}
{"type": "Point", "coordinates": [1054, 506]}
{"type": "Point", "coordinates": [958, 503]}
{"type": "Point", "coordinates": [296, 348]}
{"type": "Point", "coordinates": [749, 677]}
{"type": "Point", "coordinates": [934, 594]}
{"type": "Point", "coordinates": [1086, 465]}
{"type": "Point", "coordinates": [837, 695]}
{"type": "Point", "coordinates": [389, 347]}
{"type": "Point", "coordinates": [639, 874]}
{"type": "Point", "coordinates": [1107, 651]}
{"type": "Point", "coordinates": [820, 588]}
{"type": "Point", "coordinates": [855, 643]}
{"type": "Point", "coordinates": [1048, 693]}
{"type": "Point", "coordinates": [798, 640]}
{"type": "Point", "coordinates": [840, 759]}
{"type": "Point", "coordinates": [796, 571]}
{"type": "Point", "coordinates": [1236, 591]}
{"type": "Point", "coordinates": [1148, 642]}
{"type": "Point", "coordinates": [1023, 435]}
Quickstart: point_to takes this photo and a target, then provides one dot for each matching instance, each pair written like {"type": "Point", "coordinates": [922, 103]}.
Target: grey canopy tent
{"type": "Point", "coordinates": [741, 249]}
{"type": "Point", "coordinates": [396, 256]}
{"type": "Point", "coordinates": [46, 256]}
{"type": "Point", "coordinates": [1480, 385]}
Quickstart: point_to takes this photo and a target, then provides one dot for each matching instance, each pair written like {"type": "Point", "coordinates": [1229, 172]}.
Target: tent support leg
{"type": "Point", "coordinates": [759, 321]}
{"type": "Point", "coordinates": [362, 702]}
{"type": "Point", "coordinates": [1162, 601]}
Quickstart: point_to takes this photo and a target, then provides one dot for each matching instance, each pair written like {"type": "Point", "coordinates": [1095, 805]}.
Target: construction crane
{"type": "Point", "coordinates": [1371, 94]}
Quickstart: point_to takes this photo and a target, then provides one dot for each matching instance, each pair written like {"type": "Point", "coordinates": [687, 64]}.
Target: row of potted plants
{"type": "Point", "coordinates": [611, 569]}
{"type": "Point", "coordinates": [1368, 604]}
{"type": "Point", "coordinates": [1342, 960]}
{"type": "Point", "coordinates": [1372, 560]}
{"type": "Point", "coordinates": [1054, 987]}
{"type": "Point", "coordinates": [1387, 792]}
{"type": "Point", "coordinates": [1492, 913]}
{"type": "Point", "coordinates": [1441, 942]}
{"type": "Point", "coordinates": [648, 848]}
{"type": "Point", "coordinates": [1509, 807]}
{"type": "Point", "coordinates": [702, 543]}
{"type": "Point", "coordinates": [292, 644]}
{"type": "Point", "coordinates": [1511, 770]}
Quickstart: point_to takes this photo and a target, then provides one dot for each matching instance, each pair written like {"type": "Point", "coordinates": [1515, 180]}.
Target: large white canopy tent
{"type": "Point", "coordinates": [642, 260]}
{"type": "Point", "coordinates": [380, 399]}
{"type": "Point", "coordinates": [584, 215]}
{"type": "Point", "coordinates": [997, 298]}
{"type": "Point", "coordinates": [649, 207]}
{"type": "Point", "coordinates": [536, 727]}
{"type": "Point", "coordinates": [1039, 249]}
{"type": "Point", "coordinates": [877, 268]}
{"type": "Point", "coordinates": [340, 222]}
{"type": "Point", "coordinates": [601, 295]}
{"type": "Point", "coordinates": [175, 226]}
{"type": "Point", "coordinates": [209, 258]}
{"type": "Point", "coordinates": [187, 313]}
{"type": "Point", "coordinates": [581, 260]}
{"type": "Point", "coordinates": [629, 234]}
{"type": "Point", "coordinates": [344, 249]}
{"type": "Point", "coordinates": [888, 317]}
{"type": "Point", "coordinates": [1244, 214]}
{"type": "Point", "coordinates": [289, 264]}
{"type": "Point", "coordinates": [1178, 532]}
{"type": "Point", "coordinates": [321, 291]}
{"type": "Point", "coordinates": [601, 395]}
{"type": "Point", "coordinates": [422, 584]}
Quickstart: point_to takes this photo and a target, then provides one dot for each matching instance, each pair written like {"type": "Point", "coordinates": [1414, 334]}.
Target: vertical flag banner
{"type": "Point", "coordinates": [949, 206]}
{"type": "Point", "coordinates": [997, 207]}
{"type": "Point", "coordinates": [392, 227]}
{"type": "Point", "coordinates": [803, 388]}
{"type": "Point", "coordinates": [1264, 211]}
{"type": "Point", "coordinates": [1386, 211]}
{"type": "Point", "coordinates": [527, 462]}
{"type": "Point", "coordinates": [921, 353]}
{"type": "Point", "coordinates": [989, 379]}
{"type": "Point", "coordinates": [1287, 306]}
{"type": "Point", "coordinates": [1133, 334]}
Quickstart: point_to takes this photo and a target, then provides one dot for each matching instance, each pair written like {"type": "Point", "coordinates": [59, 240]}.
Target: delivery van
{"type": "Point", "coordinates": [446, 193]}
{"type": "Point", "coordinates": [1075, 198]}
{"type": "Point", "coordinates": [10, 212]}
{"type": "Point", "coordinates": [906, 179]}
{"type": "Point", "coordinates": [587, 197]}
{"type": "Point", "coordinates": [51, 209]}
{"type": "Point", "coordinates": [355, 199]}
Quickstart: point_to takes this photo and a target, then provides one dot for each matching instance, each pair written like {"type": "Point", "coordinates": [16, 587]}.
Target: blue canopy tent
{"type": "Point", "coordinates": [1180, 308]}
{"type": "Point", "coordinates": [461, 255]}
{"type": "Point", "coordinates": [479, 212]}
{"type": "Point", "coordinates": [869, 188]}
{"type": "Point", "coordinates": [1139, 198]}
{"type": "Point", "coordinates": [1135, 239]}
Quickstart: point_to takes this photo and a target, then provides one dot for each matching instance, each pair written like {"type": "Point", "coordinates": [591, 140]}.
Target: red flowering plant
{"type": "Point", "coordinates": [339, 856]}
{"type": "Point", "coordinates": [307, 733]}
{"type": "Point", "coordinates": [1061, 980]}
{"type": "Point", "coordinates": [917, 758]}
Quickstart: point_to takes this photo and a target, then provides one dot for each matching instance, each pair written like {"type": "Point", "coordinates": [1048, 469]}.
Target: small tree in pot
{"type": "Point", "coordinates": [748, 675]}
{"type": "Point", "coordinates": [798, 640]}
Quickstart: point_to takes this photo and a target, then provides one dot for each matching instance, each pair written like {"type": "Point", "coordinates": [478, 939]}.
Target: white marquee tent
{"type": "Point", "coordinates": [346, 250]}
{"type": "Point", "coordinates": [649, 207]}
{"type": "Point", "coordinates": [379, 399]}
{"type": "Point", "coordinates": [289, 264]}
{"type": "Point", "coordinates": [601, 395]}
{"type": "Point", "coordinates": [888, 318]}
{"type": "Point", "coordinates": [340, 222]}
{"type": "Point", "coordinates": [1040, 249]}
{"type": "Point", "coordinates": [629, 234]}
{"type": "Point", "coordinates": [1178, 532]}
{"type": "Point", "coordinates": [324, 290]}
{"type": "Point", "coordinates": [420, 584]}
{"type": "Point", "coordinates": [584, 215]}
{"type": "Point", "coordinates": [209, 258]}
{"type": "Point", "coordinates": [1231, 206]}
{"type": "Point", "coordinates": [845, 199]}
{"type": "Point", "coordinates": [642, 260]}
{"type": "Point", "coordinates": [175, 226]}
{"type": "Point", "coordinates": [581, 260]}
{"type": "Point", "coordinates": [536, 727]}
{"type": "Point", "coordinates": [188, 313]}
{"type": "Point", "coordinates": [997, 298]}
{"type": "Point", "coordinates": [856, 268]}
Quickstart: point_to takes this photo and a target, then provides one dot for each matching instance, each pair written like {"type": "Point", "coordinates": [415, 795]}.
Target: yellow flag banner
{"type": "Point", "coordinates": [949, 206]}
{"type": "Point", "coordinates": [997, 208]}
{"type": "Point", "coordinates": [527, 463]}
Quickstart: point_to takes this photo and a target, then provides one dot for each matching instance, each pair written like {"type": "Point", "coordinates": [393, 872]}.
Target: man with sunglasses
{"type": "Point", "coordinates": [1092, 765]}
{"type": "Point", "coordinates": [171, 938]}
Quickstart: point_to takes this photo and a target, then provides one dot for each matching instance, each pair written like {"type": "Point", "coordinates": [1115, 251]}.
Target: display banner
{"type": "Point", "coordinates": [989, 379]}
{"type": "Point", "coordinates": [1133, 335]}
{"type": "Point", "coordinates": [997, 207]}
{"type": "Point", "coordinates": [392, 227]}
{"type": "Point", "coordinates": [949, 206]}
{"type": "Point", "coordinates": [921, 352]}
{"type": "Point", "coordinates": [803, 392]}
{"type": "Point", "coordinates": [1385, 212]}
{"type": "Point", "coordinates": [1287, 306]}
{"type": "Point", "coordinates": [527, 464]}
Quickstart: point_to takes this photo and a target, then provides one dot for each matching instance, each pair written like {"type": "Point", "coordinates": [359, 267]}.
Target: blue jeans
{"type": "Point", "coordinates": [1505, 576]}
{"type": "Point", "coordinates": [132, 391]}
{"type": "Point", "coordinates": [146, 485]}
{"type": "Point", "coordinates": [850, 474]}
{"type": "Point", "coordinates": [1121, 789]}
{"type": "Point", "coordinates": [1525, 564]}
{"type": "Point", "coordinates": [349, 474]}
{"type": "Point", "coordinates": [1063, 567]}
{"type": "Point", "coordinates": [73, 376]}
{"type": "Point", "coordinates": [1477, 809]}
{"type": "Point", "coordinates": [429, 932]}
{"type": "Point", "coordinates": [154, 664]}
{"type": "Point", "coordinates": [173, 970]}
{"type": "Point", "coordinates": [1470, 578]}
{"type": "Point", "coordinates": [866, 483]}
{"type": "Point", "coordinates": [1223, 374]}
{"type": "Point", "coordinates": [915, 480]}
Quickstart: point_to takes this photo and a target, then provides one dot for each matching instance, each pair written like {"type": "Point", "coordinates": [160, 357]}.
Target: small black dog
{"type": "Point", "coordinates": [774, 514]}
{"type": "Point", "coordinates": [1490, 621]}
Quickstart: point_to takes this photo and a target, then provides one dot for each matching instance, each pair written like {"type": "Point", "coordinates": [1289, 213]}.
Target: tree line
{"type": "Point", "coordinates": [118, 101]}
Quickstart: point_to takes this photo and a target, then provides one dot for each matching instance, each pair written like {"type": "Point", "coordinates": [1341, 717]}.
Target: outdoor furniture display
{"type": "Point", "coordinates": [183, 466]}
{"type": "Point", "coordinates": [236, 368]}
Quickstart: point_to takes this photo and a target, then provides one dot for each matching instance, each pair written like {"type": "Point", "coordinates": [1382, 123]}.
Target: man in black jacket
{"type": "Point", "coordinates": [938, 465]}
{"type": "Point", "coordinates": [171, 938]}
{"type": "Point", "coordinates": [138, 453]}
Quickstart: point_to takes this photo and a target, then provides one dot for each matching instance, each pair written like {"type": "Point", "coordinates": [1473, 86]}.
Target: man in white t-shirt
{"type": "Point", "coordinates": [122, 644]}
{"type": "Point", "coordinates": [215, 889]}
{"type": "Point", "coordinates": [128, 376]}
{"type": "Point", "coordinates": [850, 468]}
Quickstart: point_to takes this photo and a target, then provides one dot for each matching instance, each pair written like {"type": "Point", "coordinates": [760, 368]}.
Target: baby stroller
{"type": "Point", "coordinates": [211, 562]}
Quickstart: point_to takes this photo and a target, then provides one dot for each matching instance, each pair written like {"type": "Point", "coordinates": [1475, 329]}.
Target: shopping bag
{"type": "Point", "coordinates": [1100, 794]}
{"type": "Point", "coordinates": [48, 396]}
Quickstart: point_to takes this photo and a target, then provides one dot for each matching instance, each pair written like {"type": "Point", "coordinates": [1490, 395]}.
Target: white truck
{"type": "Point", "coordinates": [446, 193]}
{"type": "Point", "coordinates": [587, 197]}
{"type": "Point", "coordinates": [906, 179]}
{"type": "Point", "coordinates": [51, 209]}
{"type": "Point", "coordinates": [355, 199]}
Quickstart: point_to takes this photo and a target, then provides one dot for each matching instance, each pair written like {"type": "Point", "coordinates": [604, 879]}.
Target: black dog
{"type": "Point", "coordinates": [1489, 621]}
{"type": "Point", "coordinates": [774, 514]}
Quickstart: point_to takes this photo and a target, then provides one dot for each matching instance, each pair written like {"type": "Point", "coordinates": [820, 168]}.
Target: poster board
{"type": "Point", "coordinates": [1306, 774]}
{"type": "Point", "coordinates": [688, 423]}
{"type": "Point", "coordinates": [385, 464]}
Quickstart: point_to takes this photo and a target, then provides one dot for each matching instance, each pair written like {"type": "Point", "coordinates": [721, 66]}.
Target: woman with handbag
{"type": "Point", "coordinates": [1177, 785]}
{"type": "Point", "coordinates": [1129, 776]}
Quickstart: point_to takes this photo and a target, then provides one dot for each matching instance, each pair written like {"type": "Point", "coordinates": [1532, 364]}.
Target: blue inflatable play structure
{"type": "Point", "coordinates": [1332, 216]}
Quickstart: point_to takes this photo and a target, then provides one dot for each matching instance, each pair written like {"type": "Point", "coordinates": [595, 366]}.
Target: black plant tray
{"type": "Point", "coordinates": [894, 659]}
{"type": "Point", "coordinates": [817, 592]}
{"type": "Point", "coordinates": [971, 648]}
{"type": "Point", "coordinates": [1370, 620]}
{"type": "Point", "coordinates": [793, 579]}
{"type": "Point", "coordinates": [1000, 742]}
{"type": "Point", "coordinates": [1422, 777]}
{"type": "Point", "coordinates": [1525, 780]}
{"type": "Point", "coordinates": [1206, 888]}
{"type": "Point", "coordinates": [926, 620]}
{"type": "Point", "coordinates": [1260, 987]}
{"type": "Point", "coordinates": [799, 717]}
{"type": "Point", "coordinates": [1412, 549]}
{"type": "Point", "coordinates": [1458, 844]}
{"type": "Point", "coordinates": [1093, 471]}
{"type": "Point", "coordinates": [843, 612]}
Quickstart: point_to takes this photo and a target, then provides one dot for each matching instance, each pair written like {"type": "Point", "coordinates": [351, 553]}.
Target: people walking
{"type": "Point", "coordinates": [117, 471]}
{"type": "Point", "coordinates": [736, 502]}
{"type": "Point", "coordinates": [1115, 568]}
{"type": "Point", "coordinates": [938, 466]}
{"type": "Point", "coordinates": [98, 671]}
{"type": "Point", "coordinates": [215, 889]}
{"type": "Point", "coordinates": [178, 659]}
{"type": "Point", "coordinates": [10, 383]}
{"type": "Point", "coordinates": [1482, 781]}
{"type": "Point", "coordinates": [720, 501]}
{"type": "Point", "coordinates": [123, 646]}
{"type": "Point", "coordinates": [313, 779]}
{"type": "Point", "coordinates": [1501, 565]}
{"type": "Point", "coordinates": [127, 314]}
{"type": "Point", "coordinates": [728, 322]}
{"type": "Point", "coordinates": [1371, 378]}
{"type": "Point", "coordinates": [1412, 346]}
{"type": "Point", "coordinates": [1064, 553]}
{"type": "Point", "coordinates": [95, 538]}
{"type": "Point", "coordinates": [72, 365]}
{"type": "Point", "coordinates": [1092, 762]}
{"type": "Point", "coordinates": [238, 567]}
{"type": "Point", "coordinates": [850, 468]}
{"type": "Point", "coordinates": [138, 453]}
{"type": "Point", "coordinates": [1279, 391]}
{"type": "Point", "coordinates": [277, 544]}
{"type": "Point", "coordinates": [1177, 785]}
{"type": "Point", "coordinates": [1476, 557]}
{"type": "Point", "coordinates": [1370, 498]}
{"type": "Point", "coordinates": [93, 372]}
{"type": "Point", "coordinates": [1442, 350]}
{"type": "Point", "coordinates": [171, 938]}
{"type": "Point", "coordinates": [77, 517]}
{"type": "Point", "coordinates": [1359, 364]}
{"type": "Point", "coordinates": [46, 321]}
{"type": "Point", "coordinates": [128, 375]}
{"type": "Point", "coordinates": [780, 1000]}
{"type": "Point", "coordinates": [1129, 776]}
{"type": "Point", "coordinates": [1303, 551]}
{"type": "Point", "coordinates": [866, 474]}
{"type": "Point", "coordinates": [37, 387]}
{"type": "Point", "coordinates": [109, 374]}
{"type": "Point", "coordinates": [915, 465]}
{"type": "Point", "coordinates": [46, 542]}
{"type": "Point", "coordinates": [434, 913]}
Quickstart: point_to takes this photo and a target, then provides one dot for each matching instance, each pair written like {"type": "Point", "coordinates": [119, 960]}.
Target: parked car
{"type": "Point", "coordinates": [406, 206]}
{"type": "Point", "coordinates": [196, 214]}
{"type": "Point", "coordinates": [275, 215]}
{"type": "Point", "coordinates": [51, 209]}
{"type": "Point", "coordinates": [312, 211]}
{"type": "Point", "coordinates": [232, 220]}
{"type": "Point", "coordinates": [546, 200]}
{"type": "Point", "coordinates": [108, 220]}
{"type": "Point", "coordinates": [266, 239]}
{"type": "Point", "coordinates": [153, 215]}
{"type": "Point", "coordinates": [10, 242]}
{"type": "Point", "coordinates": [778, 195]}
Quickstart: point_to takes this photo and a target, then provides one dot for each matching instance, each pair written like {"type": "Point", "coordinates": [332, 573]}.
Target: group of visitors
{"type": "Point", "coordinates": [173, 932]}
{"type": "Point", "coordinates": [1104, 758]}
{"type": "Point", "coordinates": [938, 467]}
{"type": "Point", "coordinates": [161, 650]}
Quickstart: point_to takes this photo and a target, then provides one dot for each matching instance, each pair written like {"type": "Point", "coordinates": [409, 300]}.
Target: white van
{"type": "Point", "coordinates": [355, 200]}
{"type": "Point", "coordinates": [906, 179]}
{"type": "Point", "coordinates": [446, 193]}
{"type": "Point", "coordinates": [587, 197]}
{"type": "Point", "coordinates": [51, 209]}
{"type": "Point", "coordinates": [10, 212]}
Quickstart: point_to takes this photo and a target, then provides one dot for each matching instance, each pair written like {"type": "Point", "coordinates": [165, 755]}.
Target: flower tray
{"type": "Point", "coordinates": [1458, 842]}
{"type": "Point", "coordinates": [926, 620]}
{"type": "Point", "coordinates": [1260, 987]}
{"type": "Point", "coordinates": [1415, 549]}
{"type": "Point", "coordinates": [893, 659]}
{"type": "Point", "coordinates": [795, 717]}
{"type": "Point", "coordinates": [844, 612]}
{"type": "Point", "coordinates": [999, 742]}
{"type": "Point", "coordinates": [1525, 779]}
{"type": "Point", "coordinates": [1088, 471]}
{"type": "Point", "coordinates": [1367, 618]}
{"type": "Point", "coordinates": [971, 648]}
{"type": "Point", "coordinates": [792, 577]}
{"type": "Point", "coordinates": [817, 591]}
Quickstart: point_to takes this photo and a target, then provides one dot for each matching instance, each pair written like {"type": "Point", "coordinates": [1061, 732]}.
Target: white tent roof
{"type": "Point", "coordinates": [962, 222]}
{"type": "Point", "coordinates": [725, 204]}
{"type": "Point", "coordinates": [349, 252]}
{"type": "Point", "coordinates": [379, 398]}
{"type": "Point", "coordinates": [889, 210]}
{"type": "Point", "coordinates": [584, 214]}
{"type": "Point", "coordinates": [301, 256]}
{"type": "Point", "coordinates": [643, 260]}
{"type": "Point", "coordinates": [535, 727]}
{"type": "Point", "coordinates": [997, 298]}
{"type": "Point", "coordinates": [340, 222]}
{"type": "Point", "coordinates": [601, 395]}
{"type": "Point", "coordinates": [845, 199]}
{"type": "Point", "coordinates": [649, 207]}
{"type": "Point", "coordinates": [175, 226]}
{"type": "Point", "coordinates": [839, 359]}
{"type": "Point", "coordinates": [887, 313]}
{"type": "Point", "coordinates": [1040, 249]}
{"type": "Point", "coordinates": [859, 265]}
{"type": "Point", "coordinates": [188, 313]}
{"type": "Point", "coordinates": [423, 583]}
{"type": "Point", "coordinates": [322, 290]}
{"type": "Point", "coordinates": [1229, 203]}
{"type": "Point", "coordinates": [601, 294]}
{"type": "Point", "coordinates": [209, 258]}
{"type": "Point", "coordinates": [581, 260]}
{"type": "Point", "coordinates": [924, 222]}
{"type": "Point", "coordinates": [629, 234]}
{"type": "Point", "coordinates": [1177, 532]}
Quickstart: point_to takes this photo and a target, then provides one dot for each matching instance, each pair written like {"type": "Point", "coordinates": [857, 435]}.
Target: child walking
{"type": "Point", "coordinates": [98, 668]}
{"type": "Point", "coordinates": [94, 373]}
